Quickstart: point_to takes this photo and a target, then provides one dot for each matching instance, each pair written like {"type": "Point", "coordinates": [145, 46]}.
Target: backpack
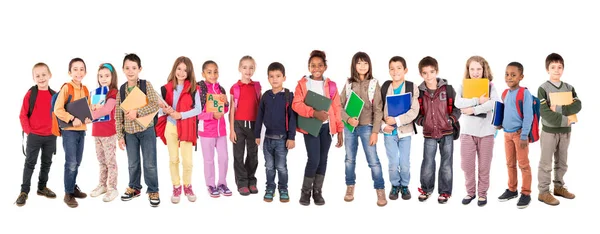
{"type": "Point", "coordinates": [332, 88]}
{"type": "Point", "coordinates": [203, 92]}
{"type": "Point", "coordinates": [384, 90]}
{"type": "Point", "coordinates": [449, 107]}
{"type": "Point", "coordinates": [70, 92]}
{"type": "Point", "coordinates": [143, 87]}
{"type": "Point", "coordinates": [236, 92]}
{"type": "Point", "coordinates": [287, 105]}
{"type": "Point", "coordinates": [534, 134]}
{"type": "Point", "coordinates": [32, 99]}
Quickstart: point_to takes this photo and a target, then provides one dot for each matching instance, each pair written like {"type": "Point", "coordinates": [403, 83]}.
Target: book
{"type": "Point", "coordinates": [135, 100]}
{"type": "Point", "coordinates": [144, 121]}
{"type": "Point", "coordinates": [398, 104]}
{"type": "Point", "coordinates": [317, 102]}
{"type": "Point", "coordinates": [354, 106]}
{"type": "Point", "coordinates": [498, 114]}
{"type": "Point", "coordinates": [99, 98]}
{"type": "Point", "coordinates": [213, 104]}
{"type": "Point", "coordinates": [562, 99]}
{"type": "Point", "coordinates": [474, 88]}
{"type": "Point", "coordinates": [78, 108]}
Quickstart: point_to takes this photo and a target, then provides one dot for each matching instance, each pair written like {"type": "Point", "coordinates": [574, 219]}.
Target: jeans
{"type": "Point", "coordinates": [73, 146]}
{"type": "Point", "coordinates": [275, 153]}
{"type": "Point", "coordinates": [398, 153]}
{"type": "Point", "coordinates": [446, 145]}
{"type": "Point", "coordinates": [146, 140]}
{"type": "Point", "coordinates": [35, 143]}
{"type": "Point", "coordinates": [317, 150]}
{"type": "Point", "coordinates": [351, 142]}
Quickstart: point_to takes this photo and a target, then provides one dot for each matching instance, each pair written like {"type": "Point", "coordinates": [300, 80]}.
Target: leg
{"type": "Point", "coordinates": [34, 144]}
{"type": "Point", "coordinates": [269, 152]}
{"type": "Point", "coordinates": [313, 151]}
{"type": "Point", "coordinates": [510, 148]}
{"type": "Point", "coordinates": [372, 158]}
{"type": "Point", "coordinates": [560, 159]}
{"type": "Point", "coordinates": [208, 153]}
{"type": "Point", "coordinates": [323, 145]}
{"type": "Point", "coordinates": [252, 159]}
{"type": "Point", "coordinates": [132, 144]}
{"type": "Point", "coordinates": [280, 155]}
{"type": "Point", "coordinates": [70, 143]}
{"type": "Point", "coordinates": [239, 169]}
{"type": "Point", "coordinates": [428, 165]}
{"type": "Point", "coordinates": [392, 151]}
{"type": "Point", "coordinates": [523, 162]}
{"type": "Point", "coordinates": [548, 145]}
{"type": "Point", "coordinates": [110, 149]}
{"type": "Point", "coordinates": [485, 151]}
{"type": "Point", "coordinates": [173, 148]}
{"type": "Point", "coordinates": [468, 150]}
{"type": "Point", "coordinates": [186, 148]}
{"type": "Point", "coordinates": [223, 159]}
{"type": "Point", "coordinates": [148, 144]}
{"type": "Point", "coordinates": [446, 158]}
{"type": "Point", "coordinates": [404, 149]}
{"type": "Point", "coordinates": [351, 143]}
{"type": "Point", "coordinates": [100, 154]}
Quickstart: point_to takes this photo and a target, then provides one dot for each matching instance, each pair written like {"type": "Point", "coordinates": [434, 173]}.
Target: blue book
{"type": "Point", "coordinates": [99, 97]}
{"type": "Point", "coordinates": [398, 104]}
{"type": "Point", "coordinates": [498, 114]}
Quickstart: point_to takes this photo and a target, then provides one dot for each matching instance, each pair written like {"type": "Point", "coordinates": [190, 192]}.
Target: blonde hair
{"type": "Point", "coordinates": [247, 57]}
{"type": "Point", "coordinates": [487, 72]}
{"type": "Point", "coordinates": [41, 65]}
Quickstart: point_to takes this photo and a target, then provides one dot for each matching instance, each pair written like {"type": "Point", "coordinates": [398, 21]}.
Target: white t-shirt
{"type": "Point", "coordinates": [317, 86]}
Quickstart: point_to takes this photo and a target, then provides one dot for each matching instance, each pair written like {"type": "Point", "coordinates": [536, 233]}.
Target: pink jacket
{"type": "Point", "coordinates": [207, 126]}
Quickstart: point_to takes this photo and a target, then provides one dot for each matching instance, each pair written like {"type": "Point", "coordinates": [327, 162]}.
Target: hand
{"type": "Point", "coordinates": [232, 136]}
{"type": "Point", "coordinates": [340, 141]}
{"type": "Point", "coordinates": [290, 144]}
{"type": "Point", "coordinates": [353, 121]}
{"type": "Point", "coordinates": [257, 141]}
{"type": "Point", "coordinates": [88, 120]}
{"type": "Point", "coordinates": [175, 115]}
{"type": "Point", "coordinates": [122, 144]}
{"type": "Point", "coordinates": [76, 122]}
{"type": "Point", "coordinates": [523, 144]}
{"type": "Point", "coordinates": [97, 107]}
{"type": "Point", "coordinates": [218, 115]}
{"type": "Point", "coordinates": [499, 127]}
{"type": "Point", "coordinates": [131, 115]}
{"type": "Point", "coordinates": [321, 115]}
{"type": "Point", "coordinates": [162, 105]}
{"type": "Point", "coordinates": [390, 120]}
{"type": "Point", "coordinates": [467, 111]}
{"type": "Point", "coordinates": [373, 139]}
{"type": "Point", "coordinates": [388, 129]}
{"type": "Point", "coordinates": [167, 110]}
{"type": "Point", "coordinates": [220, 97]}
{"type": "Point", "coordinates": [483, 99]}
{"type": "Point", "coordinates": [553, 108]}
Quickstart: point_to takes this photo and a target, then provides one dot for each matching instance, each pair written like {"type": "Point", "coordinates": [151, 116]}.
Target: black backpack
{"type": "Point", "coordinates": [384, 90]}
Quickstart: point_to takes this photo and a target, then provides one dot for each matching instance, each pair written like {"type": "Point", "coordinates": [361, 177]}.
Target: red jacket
{"type": "Point", "coordinates": [335, 116]}
{"type": "Point", "coordinates": [186, 128]}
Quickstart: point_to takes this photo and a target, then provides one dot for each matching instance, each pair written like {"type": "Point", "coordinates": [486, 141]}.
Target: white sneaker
{"type": "Point", "coordinates": [101, 189]}
{"type": "Point", "coordinates": [110, 195]}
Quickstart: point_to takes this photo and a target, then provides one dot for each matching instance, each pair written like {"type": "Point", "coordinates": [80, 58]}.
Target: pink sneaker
{"type": "Point", "coordinates": [189, 193]}
{"type": "Point", "coordinates": [176, 194]}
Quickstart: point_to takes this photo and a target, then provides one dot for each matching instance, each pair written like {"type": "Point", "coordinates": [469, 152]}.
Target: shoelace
{"type": "Point", "coordinates": [404, 190]}
{"type": "Point", "coordinates": [394, 190]}
{"type": "Point", "coordinates": [188, 190]}
{"type": "Point", "coordinates": [176, 191]}
{"type": "Point", "coordinates": [224, 188]}
{"type": "Point", "coordinates": [422, 192]}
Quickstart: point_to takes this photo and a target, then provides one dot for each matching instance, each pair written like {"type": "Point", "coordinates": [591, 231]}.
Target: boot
{"type": "Point", "coordinates": [317, 192]}
{"type": "Point", "coordinates": [349, 193]}
{"type": "Point", "coordinates": [381, 201]}
{"type": "Point", "coordinates": [307, 187]}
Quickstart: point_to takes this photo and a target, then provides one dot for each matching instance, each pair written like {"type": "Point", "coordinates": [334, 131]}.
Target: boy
{"type": "Point", "coordinates": [556, 132]}
{"type": "Point", "coordinates": [275, 111]}
{"type": "Point", "coordinates": [439, 118]}
{"type": "Point", "coordinates": [135, 137]}
{"type": "Point", "coordinates": [36, 122]}
{"type": "Point", "coordinates": [516, 135]}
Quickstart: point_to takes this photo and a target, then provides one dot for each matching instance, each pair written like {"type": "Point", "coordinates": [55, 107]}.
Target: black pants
{"type": "Point", "coordinates": [245, 170]}
{"type": "Point", "coordinates": [317, 149]}
{"type": "Point", "coordinates": [34, 143]}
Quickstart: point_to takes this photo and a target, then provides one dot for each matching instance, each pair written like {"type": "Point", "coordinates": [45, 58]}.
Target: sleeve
{"type": "Point", "coordinates": [152, 101]}
{"type": "Point", "coordinates": [59, 106]}
{"type": "Point", "coordinates": [259, 119]}
{"type": "Point", "coordinates": [343, 101]}
{"type": "Point", "coordinates": [23, 115]}
{"type": "Point", "coordinates": [377, 109]}
{"type": "Point", "coordinates": [572, 108]}
{"type": "Point", "coordinates": [411, 114]}
{"type": "Point", "coordinates": [228, 104]}
{"type": "Point", "coordinates": [298, 104]}
{"type": "Point", "coordinates": [106, 109]}
{"type": "Point", "coordinates": [549, 116]}
{"type": "Point", "coordinates": [489, 105]}
{"type": "Point", "coordinates": [421, 115]}
{"type": "Point", "coordinates": [337, 107]}
{"type": "Point", "coordinates": [120, 117]}
{"type": "Point", "coordinates": [195, 111]}
{"type": "Point", "coordinates": [461, 102]}
{"type": "Point", "coordinates": [291, 121]}
{"type": "Point", "coordinates": [455, 111]}
{"type": "Point", "coordinates": [203, 114]}
{"type": "Point", "coordinates": [527, 115]}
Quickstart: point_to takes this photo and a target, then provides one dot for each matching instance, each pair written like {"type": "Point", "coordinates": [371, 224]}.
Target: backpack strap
{"type": "Point", "coordinates": [449, 100]}
{"type": "Point", "coordinates": [287, 105]}
{"type": "Point", "coordinates": [32, 98]}
{"type": "Point", "coordinates": [143, 86]}
{"type": "Point", "coordinates": [348, 90]}
{"type": "Point", "coordinates": [203, 91]}
{"type": "Point", "coordinates": [236, 94]}
{"type": "Point", "coordinates": [409, 86]}
{"type": "Point", "coordinates": [372, 87]}
{"type": "Point", "coordinates": [122, 91]}
{"type": "Point", "coordinates": [332, 89]}
{"type": "Point", "coordinates": [257, 89]}
{"type": "Point", "coordinates": [163, 92]}
{"type": "Point", "coordinates": [519, 100]}
{"type": "Point", "coordinates": [504, 94]}
{"type": "Point", "coordinates": [384, 90]}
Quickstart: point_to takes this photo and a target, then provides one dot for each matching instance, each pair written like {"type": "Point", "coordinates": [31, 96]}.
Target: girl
{"type": "Point", "coordinates": [367, 88]}
{"type": "Point", "coordinates": [105, 135]}
{"type": "Point", "coordinates": [74, 136]}
{"type": "Point", "coordinates": [477, 136]}
{"type": "Point", "coordinates": [212, 129]}
{"type": "Point", "coordinates": [245, 95]}
{"type": "Point", "coordinates": [317, 148]}
{"type": "Point", "coordinates": [180, 130]}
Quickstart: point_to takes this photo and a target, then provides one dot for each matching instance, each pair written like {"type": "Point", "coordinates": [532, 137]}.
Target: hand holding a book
{"type": "Point", "coordinates": [483, 99]}
{"type": "Point", "coordinates": [553, 108]}
{"type": "Point", "coordinates": [467, 111]}
{"type": "Point", "coordinates": [218, 115]}
{"type": "Point", "coordinates": [388, 129]}
{"type": "Point", "coordinates": [353, 121]}
{"type": "Point", "coordinates": [131, 115]}
{"type": "Point", "coordinates": [321, 115]}
{"type": "Point", "coordinates": [389, 120]}
{"type": "Point", "coordinates": [175, 115]}
{"type": "Point", "coordinates": [76, 122]}
{"type": "Point", "coordinates": [88, 121]}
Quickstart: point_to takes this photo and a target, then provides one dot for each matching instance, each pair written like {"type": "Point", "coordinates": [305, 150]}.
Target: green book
{"type": "Point", "coordinates": [317, 102]}
{"type": "Point", "coordinates": [353, 108]}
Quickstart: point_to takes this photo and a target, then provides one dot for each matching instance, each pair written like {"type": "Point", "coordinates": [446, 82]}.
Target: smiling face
{"type": "Point", "coordinates": [77, 71]}
{"type": "Point", "coordinates": [247, 67]}
{"type": "Point", "coordinates": [181, 73]}
{"type": "Point", "coordinates": [317, 67]}
{"type": "Point", "coordinates": [104, 77]}
{"type": "Point", "coordinates": [211, 73]}
{"type": "Point", "coordinates": [362, 68]}
{"type": "Point", "coordinates": [513, 77]}
{"type": "Point", "coordinates": [397, 71]}
{"type": "Point", "coordinates": [429, 74]}
{"type": "Point", "coordinates": [475, 70]}
{"type": "Point", "coordinates": [41, 76]}
{"type": "Point", "coordinates": [555, 70]}
{"type": "Point", "coordinates": [131, 70]}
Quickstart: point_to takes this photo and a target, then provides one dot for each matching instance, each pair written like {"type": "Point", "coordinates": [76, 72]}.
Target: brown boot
{"type": "Point", "coordinates": [563, 192]}
{"type": "Point", "coordinates": [547, 198]}
{"type": "Point", "coordinates": [70, 200]}
{"type": "Point", "coordinates": [349, 193]}
{"type": "Point", "coordinates": [381, 201]}
{"type": "Point", "coordinates": [78, 194]}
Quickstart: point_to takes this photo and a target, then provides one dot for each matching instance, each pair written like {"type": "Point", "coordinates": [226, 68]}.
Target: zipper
{"type": "Point", "coordinates": [218, 120]}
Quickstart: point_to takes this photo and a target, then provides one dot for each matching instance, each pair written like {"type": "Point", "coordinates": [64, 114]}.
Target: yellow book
{"type": "Point", "coordinates": [144, 121]}
{"type": "Point", "coordinates": [135, 100]}
{"type": "Point", "coordinates": [474, 88]}
{"type": "Point", "coordinates": [562, 99]}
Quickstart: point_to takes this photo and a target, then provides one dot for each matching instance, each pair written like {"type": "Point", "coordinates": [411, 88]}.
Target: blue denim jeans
{"type": "Point", "coordinates": [146, 140]}
{"type": "Point", "coordinates": [446, 145]}
{"type": "Point", "coordinates": [351, 142]}
{"type": "Point", "coordinates": [317, 150]}
{"type": "Point", "coordinates": [276, 159]}
{"type": "Point", "coordinates": [73, 146]}
{"type": "Point", "coordinates": [398, 153]}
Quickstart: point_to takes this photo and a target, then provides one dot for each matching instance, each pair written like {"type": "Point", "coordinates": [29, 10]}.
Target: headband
{"type": "Point", "coordinates": [107, 65]}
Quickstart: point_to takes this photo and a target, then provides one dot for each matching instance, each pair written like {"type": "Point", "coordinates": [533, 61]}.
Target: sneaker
{"type": "Point", "coordinates": [46, 192]}
{"type": "Point", "coordinates": [21, 199]}
{"type": "Point", "coordinates": [213, 192]}
{"type": "Point", "coordinates": [244, 191]}
{"type": "Point", "coordinates": [482, 201]}
{"type": "Point", "coordinates": [284, 195]}
{"type": "Point", "coordinates": [269, 194]}
{"type": "Point", "coordinates": [101, 189]}
{"type": "Point", "coordinates": [424, 195]}
{"type": "Point", "coordinates": [394, 192]}
{"type": "Point", "coordinates": [523, 201]}
{"type": "Point", "coordinates": [443, 198]}
{"type": "Point", "coordinates": [110, 195]}
{"type": "Point", "coordinates": [253, 189]}
{"type": "Point", "coordinates": [176, 194]}
{"type": "Point", "coordinates": [547, 198]}
{"type": "Point", "coordinates": [224, 190]}
{"type": "Point", "coordinates": [70, 200]}
{"type": "Point", "coordinates": [467, 200]}
{"type": "Point", "coordinates": [130, 194]}
{"type": "Point", "coordinates": [563, 192]}
{"type": "Point", "coordinates": [154, 199]}
{"type": "Point", "coordinates": [78, 193]}
{"type": "Point", "coordinates": [189, 193]}
{"type": "Point", "coordinates": [405, 193]}
{"type": "Point", "coordinates": [507, 195]}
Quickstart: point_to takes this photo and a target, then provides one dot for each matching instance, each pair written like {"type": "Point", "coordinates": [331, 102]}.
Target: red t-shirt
{"type": "Point", "coordinates": [248, 102]}
{"type": "Point", "coordinates": [40, 122]}
{"type": "Point", "coordinates": [108, 128]}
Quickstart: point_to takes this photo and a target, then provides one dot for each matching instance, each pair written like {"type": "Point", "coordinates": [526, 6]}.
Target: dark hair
{"type": "Point", "coordinates": [318, 53]}
{"type": "Point", "coordinates": [113, 75]}
{"type": "Point", "coordinates": [276, 66]}
{"type": "Point", "coordinates": [554, 57]}
{"type": "Point", "coordinates": [518, 65]}
{"type": "Point", "coordinates": [428, 61]}
{"type": "Point", "coordinates": [398, 59]}
{"type": "Point", "coordinates": [360, 56]}
{"type": "Point", "coordinates": [76, 60]}
{"type": "Point", "coordinates": [207, 63]}
{"type": "Point", "coordinates": [133, 58]}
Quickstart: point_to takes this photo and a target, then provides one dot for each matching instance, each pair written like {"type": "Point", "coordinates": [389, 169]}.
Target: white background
{"type": "Point", "coordinates": [450, 31]}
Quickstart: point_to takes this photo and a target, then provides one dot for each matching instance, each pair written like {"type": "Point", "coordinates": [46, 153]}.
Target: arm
{"type": "Point", "coordinates": [455, 111]}
{"type": "Point", "coordinates": [551, 117]}
{"type": "Point", "coordinates": [343, 101]}
{"type": "Point", "coordinates": [298, 104]}
{"type": "Point", "coordinates": [572, 108]}
{"type": "Point", "coordinates": [120, 117]}
{"type": "Point", "coordinates": [489, 105]}
{"type": "Point", "coordinates": [461, 102]}
{"type": "Point", "coordinates": [421, 115]}
{"type": "Point", "coordinates": [259, 119]}
{"type": "Point", "coordinates": [291, 133]}
{"type": "Point", "coordinates": [195, 111]}
{"type": "Point", "coordinates": [152, 101]}
{"type": "Point", "coordinates": [377, 109]}
{"type": "Point", "coordinates": [337, 107]}
{"type": "Point", "coordinates": [231, 113]}
{"type": "Point", "coordinates": [106, 109]}
{"type": "Point", "coordinates": [23, 115]}
{"type": "Point", "coordinates": [59, 107]}
{"type": "Point", "coordinates": [411, 114]}
{"type": "Point", "coordinates": [527, 115]}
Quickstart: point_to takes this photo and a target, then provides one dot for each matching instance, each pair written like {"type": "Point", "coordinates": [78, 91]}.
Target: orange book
{"type": "Point", "coordinates": [135, 100]}
{"type": "Point", "coordinates": [144, 121]}
{"type": "Point", "coordinates": [562, 99]}
{"type": "Point", "coordinates": [474, 88]}
{"type": "Point", "coordinates": [213, 104]}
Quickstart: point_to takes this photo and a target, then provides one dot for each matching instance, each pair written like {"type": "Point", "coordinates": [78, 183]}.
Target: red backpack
{"type": "Point", "coordinates": [534, 134]}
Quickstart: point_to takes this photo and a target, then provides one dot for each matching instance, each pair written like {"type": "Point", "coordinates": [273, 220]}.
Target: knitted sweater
{"type": "Point", "coordinates": [556, 121]}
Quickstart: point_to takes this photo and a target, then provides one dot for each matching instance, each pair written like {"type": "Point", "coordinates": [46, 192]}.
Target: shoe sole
{"type": "Point", "coordinates": [506, 199]}
{"type": "Point", "coordinates": [564, 196]}
{"type": "Point", "coordinates": [407, 198]}
{"type": "Point", "coordinates": [393, 198]}
{"type": "Point", "coordinates": [549, 203]}
{"type": "Point", "coordinates": [523, 207]}
{"type": "Point", "coordinates": [305, 204]}
{"type": "Point", "coordinates": [284, 200]}
{"type": "Point", "coordinates": [44, 195]}
{"type": "Point", "coordinates": [226, 194]}
{"type": "Point", "coordinates": [267, 200]}
{"type": "Point", "coordinates": [129, 198]}
{"type": "Point", "coordinates": [348, 199]}
{"type": "Point", "coordinates": [153, 205]}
